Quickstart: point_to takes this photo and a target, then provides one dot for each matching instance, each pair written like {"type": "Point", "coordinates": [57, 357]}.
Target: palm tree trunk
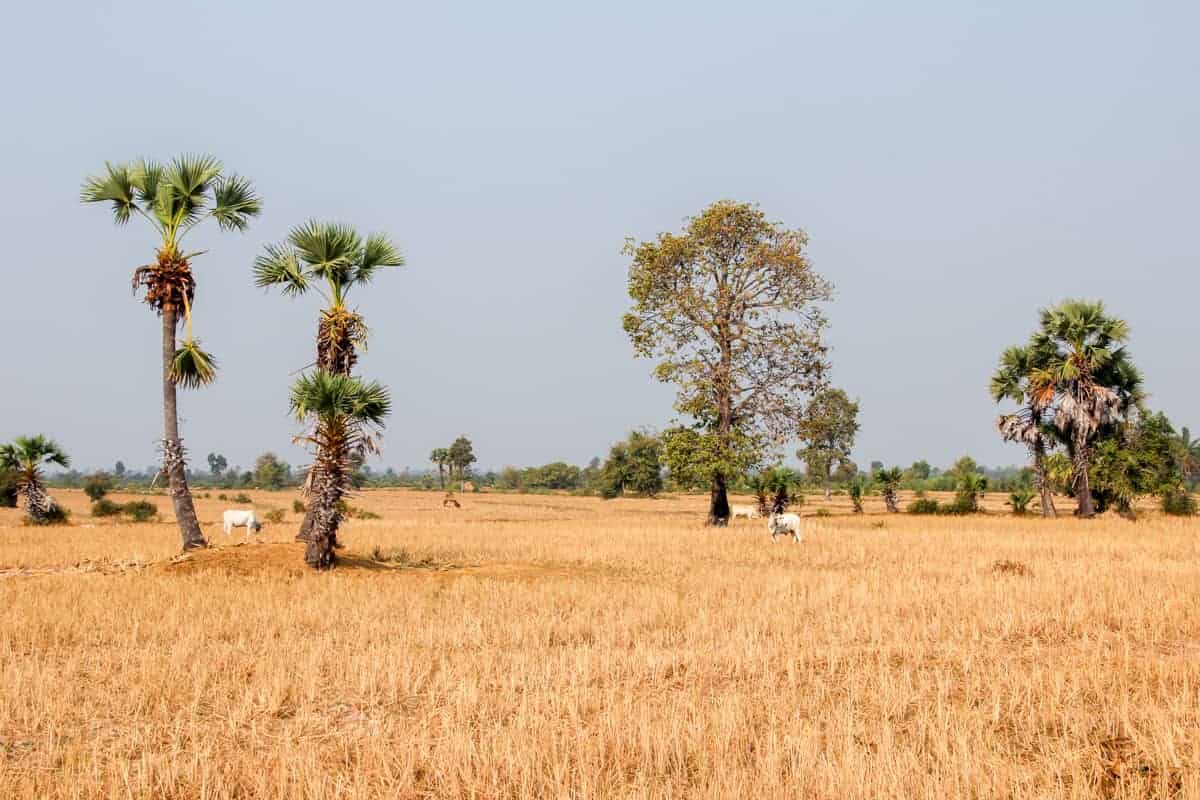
{"type": "Point", "coordinates": [173, 452]}
{"type": "Point", "coordinates": [1043, 485]}
{"type": "Point", "coordinates": [1083, 488]}
{"type": "Point", "coordinates": [322, 539]}
{"type": "Point", "coordinates": [718, 508]}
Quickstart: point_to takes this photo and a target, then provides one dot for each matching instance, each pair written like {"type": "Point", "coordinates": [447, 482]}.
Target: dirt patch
{"type": "Point", "coordinates": [286, 560]}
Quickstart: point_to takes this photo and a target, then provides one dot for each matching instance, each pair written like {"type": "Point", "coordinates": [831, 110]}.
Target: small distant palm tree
{"type": "Point", "coordinates": [1095, 379]}
{"type": "Point", "coordinates": [344, 415]}
{"type": "Point", "coordinates": [26, 456]}
{"type": "Point", "coordinates": [174, 198]}
{"type": "Point", "coordinates": [1014, 380]}
{"type": "Point", "coordinates": [1019, 499]}
{"type": "Point", "coordinates": [441, 457]}
{"type": "Point", "coordinates": [889, 482]}
{"type": "Point", "coordinates": [971, 489]}
{"type": "Point", "coordinates": [1189, 454]}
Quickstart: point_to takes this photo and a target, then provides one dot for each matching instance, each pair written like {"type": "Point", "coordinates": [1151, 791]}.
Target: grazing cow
{"type": "Point", "coordinates": [448, 501]}
{"type": "Point", "coordinates": [235, 519]}
{"type": "Point", "coordinates": [749, 512]}
{"type": "Point", "coordinates": [784, 523]}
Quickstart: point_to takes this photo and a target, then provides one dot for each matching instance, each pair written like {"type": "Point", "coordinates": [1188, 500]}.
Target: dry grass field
{"type": "Point", "coordinates": [551, 646]}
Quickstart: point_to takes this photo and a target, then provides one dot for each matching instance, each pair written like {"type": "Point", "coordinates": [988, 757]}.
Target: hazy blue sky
{"type": "Point", "coordinates": [955, 168]}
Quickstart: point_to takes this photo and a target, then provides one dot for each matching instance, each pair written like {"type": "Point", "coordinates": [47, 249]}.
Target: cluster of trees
{"type": "Point", "coordinates": [341, 412]}
{"type": "Point", "coordinates": [455, 460]}
{"type": "Point", "coordinates": [1081, 413]}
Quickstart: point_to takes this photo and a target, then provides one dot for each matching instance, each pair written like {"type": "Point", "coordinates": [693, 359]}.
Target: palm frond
{"type": "Point", "coordinates": [278, 265]}
{"type": "Point", "coordinates": [148, 179]}
{"type": "Point", "coordinates": [379, 251]}
{"type": "Point", "coordinates": [235, 202]}
{"type": "Point", "coordinates": [192, 367]}
{"type": "Point", "coordinates": [115, 186]}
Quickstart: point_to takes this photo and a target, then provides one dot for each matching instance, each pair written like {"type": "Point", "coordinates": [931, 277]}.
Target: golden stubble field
{"type": "Point", "coordinates": [551, 646]}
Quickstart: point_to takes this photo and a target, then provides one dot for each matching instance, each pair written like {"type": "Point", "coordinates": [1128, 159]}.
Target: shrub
{"type": "Point", "coordinates": [222, 496]}
{"type": "Point", "coordinates": [298, 507]}
{"type": "Point", "coordinates": [1019, 500]}
{"type": "Point", "coordinates": [274, 515]}
{"type": "Point", "coordinates": [856, 492]}
{"type": "Point", "coordinates": [105, 508]}
{"type": "Point", "coordinates": [924, 505]}
{"type": "Point", "coordinates": [242, 497]}
{"type": "Point", "coordinates": [140, 510]}
{"type": "Point", "coordinates": [1179, 503]}
{"type": "Point", "coordinates": [824, 512]}
{"type": "Point", "coordinates": [98, 485]}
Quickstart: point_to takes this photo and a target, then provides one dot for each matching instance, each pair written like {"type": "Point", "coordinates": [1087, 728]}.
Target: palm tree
{"type": "Point", "coordinates": [26, 456]}
{"type": "Point", "coordinates": [441, 457]}
{"type": "Point", "coordinates": [174, 199]}
{"type": "Point", "coordinates": [331, 259]}
{"type": "Point", "coordinates": [1189, 454]}
{"type": "Point", "coordinates": [1013, 380]}
{"type": "Point", "coordinates": [889, 482]}
{"type": "Point", "coordinates": [345, 414]}
{"type": "Point", "coordinates": [1096, 381]}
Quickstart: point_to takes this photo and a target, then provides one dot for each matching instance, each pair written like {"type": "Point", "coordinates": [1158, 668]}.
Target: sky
{"type": "Point", "coordinates": [956, 167]}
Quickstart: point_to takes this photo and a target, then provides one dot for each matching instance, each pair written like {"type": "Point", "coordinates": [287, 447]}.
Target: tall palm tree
{"type": "Point", "coordinates": [174, 199]}
{"type": "Point", "coordinates": [1013, 380]}
{"type": "Point", "coordinates": [26, 456]}
{"type": "Point", "coordinates": [330, 259]}
{"type": "Point", "coordinates": [1095, 379]}
{"type": "Point", "coordinates": [344, 414]}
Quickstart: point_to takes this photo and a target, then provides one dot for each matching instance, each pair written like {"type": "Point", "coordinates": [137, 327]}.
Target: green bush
{"type": "Point", "coordinates": [1019, 500]}
{"type": "Point", "coordinates": [298, 507]}
{"type": "Point", "coordinates": [924, 505]}
{"type": "Point", "coordinates": [98, 485]}
{"type": "Point", "coordinates": [242, 497]}
{"type": "Point", "coordinates": [222, 496]}
{"type": "Point", "coordinates": [274, 515]}
{"type": "Point", "coordinates": [105, 508]}
{"type": "Point", "coordinates": [140, 510]}
{"type": "Point", "coordinates": [1179, 503]}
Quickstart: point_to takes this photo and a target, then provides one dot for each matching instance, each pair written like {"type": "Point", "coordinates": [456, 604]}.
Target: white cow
{"type": "Point", "coordinates": [749, 512]}
{"type": "Point", "coordinates": [784, 523]}
{"type": "Point", "coordinates": [236, 519]}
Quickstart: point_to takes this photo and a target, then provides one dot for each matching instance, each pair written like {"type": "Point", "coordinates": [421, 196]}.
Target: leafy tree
{"type": "Point", "coordinates": [270, 472]}
{"type": "Point", "coordinates": [119, 469]}
{"type": "Point", "coordinates": [216, 464]}
{"type": "Point", "coordinates": [729, 310]}
{"type": "Point", "coordinates": [441, 457]}
{"type": "Point", "coordinates": [889, 481]}
{"type": "Point", "coordinates": [1136, 459]}
{"type": "Point", "coordinates": [557, 475]}
{"type": "Point", "coordinates": [174, 198]}
{"type": "Point", "coordinates": [344, 413]}
{"type": "Point", "coordinates": [920, 470]}
{"type": "Point", "coordinates": [332, 260]}
{"type": "Point", "coordinates": [511, 479]}
{"type": "Point", "coordinates": [461, 457]}
{"type": "Point", "coordinates": [633, 467]}
{"type": "Point", "coordinates": [963, 467]}
{"type": "Point", "coordinates": [828, 428]}
{"type": "Point", "coordinates": [27, 456]}
{"type": "Point", "coordinates": [1021, 378]}
{"type": "Point", "coordinates": [846, 472]}
{"type": "Point", "coordinates": [1096, 382]}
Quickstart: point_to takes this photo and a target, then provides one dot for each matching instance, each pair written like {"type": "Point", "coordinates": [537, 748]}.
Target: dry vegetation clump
{"type": "Point", "coordinates": [554, 646]}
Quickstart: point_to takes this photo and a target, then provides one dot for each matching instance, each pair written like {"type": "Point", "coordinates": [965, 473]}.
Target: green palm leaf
{"type": "Point", "coordinates": [192, 367]}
